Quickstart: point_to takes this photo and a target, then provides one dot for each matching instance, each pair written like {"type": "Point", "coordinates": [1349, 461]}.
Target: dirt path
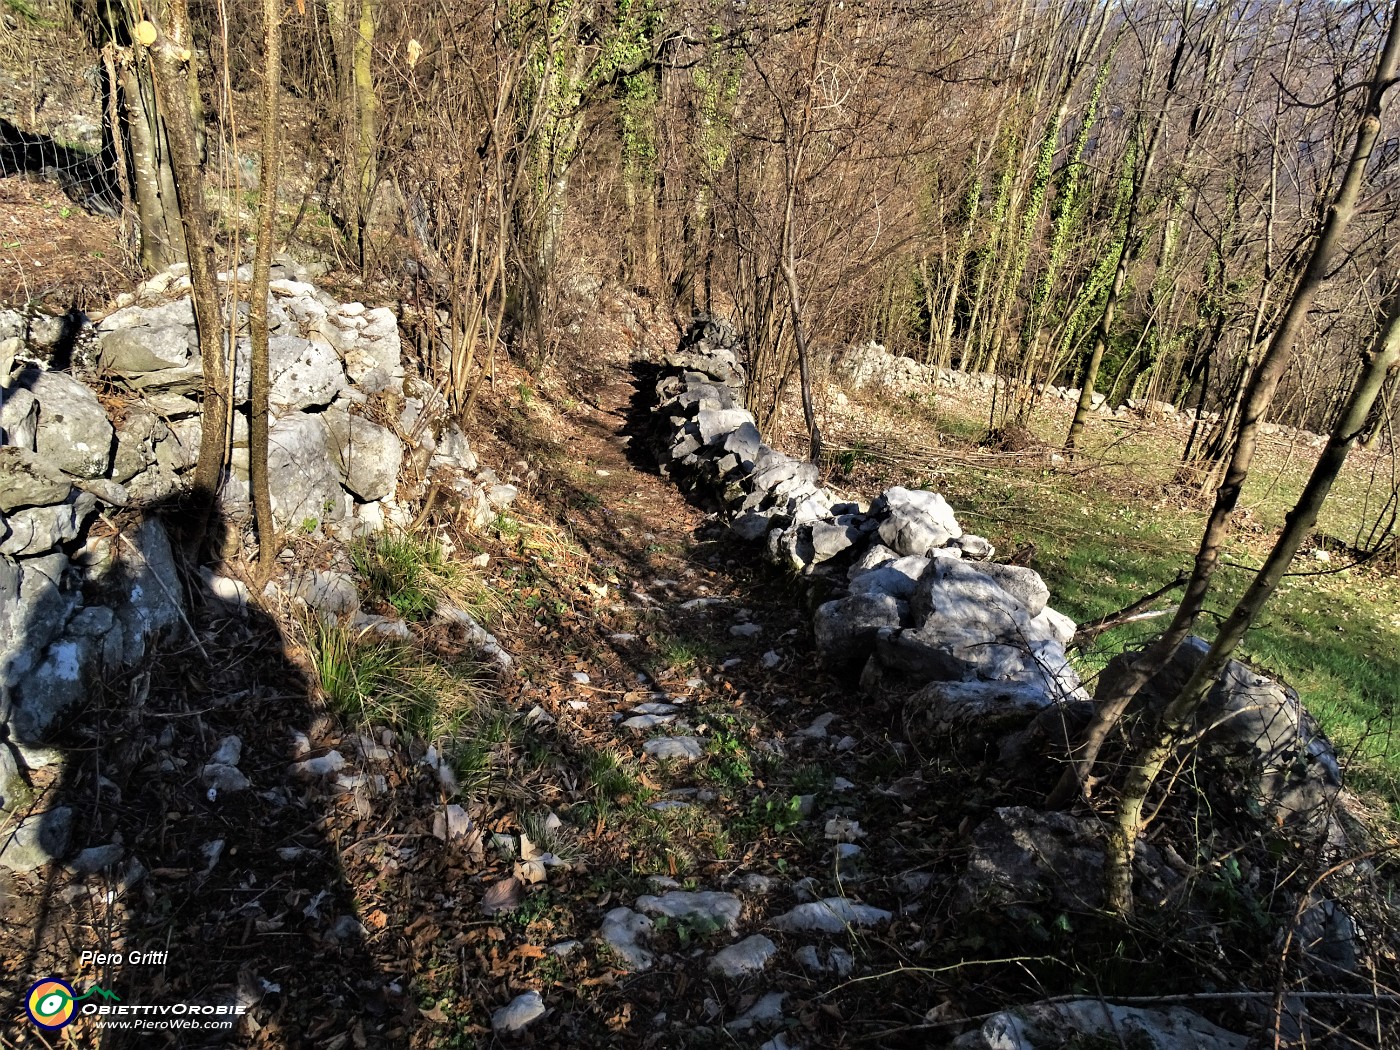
{"type": "Point", "coordinates": [666, 759]}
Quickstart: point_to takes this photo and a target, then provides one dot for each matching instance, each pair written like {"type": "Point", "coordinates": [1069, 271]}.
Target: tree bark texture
{"type": "Point", "coordinates": [259, 364]}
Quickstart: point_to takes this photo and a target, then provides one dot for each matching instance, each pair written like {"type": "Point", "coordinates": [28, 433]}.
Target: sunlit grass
{"type": "Point", "coordinates": [406, 572]}
{"type": "Point", "coordinates": [1119, 523]}
{"type": "Point", "coordinates": [370, 681]}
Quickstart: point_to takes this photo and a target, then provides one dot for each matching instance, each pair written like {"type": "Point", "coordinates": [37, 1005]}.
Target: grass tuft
{"type": "Point", "coordinates": [409, 574]}
{"type": "Point", "coordinates": [374, 681]}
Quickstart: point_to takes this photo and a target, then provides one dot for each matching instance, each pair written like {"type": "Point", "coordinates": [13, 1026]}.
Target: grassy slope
{"type": "Point", "coordinates": [1117, 525]}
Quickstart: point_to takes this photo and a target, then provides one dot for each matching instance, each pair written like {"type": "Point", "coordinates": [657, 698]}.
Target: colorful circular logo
{"type": "Point", "coordinates": [50, 1003]}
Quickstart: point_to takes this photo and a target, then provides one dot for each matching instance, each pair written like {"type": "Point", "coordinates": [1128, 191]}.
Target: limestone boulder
{"type": "Point", "coordinates": [19, 418]}
{"type": "Point", "coordinates": [897, 577]}
{"type": "Point", "coordinates": [1023, 584]}
{"type": "Point", "coordinates": [38, 840]}
{"type": "Point", "coordinates": [305, 373]}
{"type": "Point", "coordinates": [141, 431]}
{"type": "Point", "coordinates": [56, 683]}
{"type": "Point", "coordinates": [832, 538]}
{"type": "Point", "coordinates": [26, 480]}
{"type": "Point", "coordinates": [145, 590]}
{"type": "Point", "coordinates": [1052, 624]}
{"type": "Point", "coordinates": [303, 471]}
{"type": "Point", "coordinates": [846, 628]}
{"type": "Point", "coordinates": [73, 434]}
{"type": "Point", "coordinates": [331, 594]}
{"type": "Point", "coordinates": [369, 456]}
{"type": "Point", "coordinates": [950, 651]}
{"type": "Point", "coordinates": [956, 598]}
{"type": "Point", "coordinates": [1263, 748]}
{"type": "Point", "coordinates": [37, 598]}
{"type": "Point", "coordinates": [716, 425]}
{"type": "Point", "coordinates": [35, 530]}
{"type": "Point", "coordinates": [135, 351]}
{"type": "Point", "coordinates": [916, 521]}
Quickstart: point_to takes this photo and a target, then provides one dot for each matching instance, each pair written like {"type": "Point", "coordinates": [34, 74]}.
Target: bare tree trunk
{"type": "Point", "coordinates": [170, 54]}
{"type": "Point", "coordinates": [803, 362]}
{"type": "Point", "coordinates": [1178, 715]}
{"type": "Point", "coordinates": [162, 239]}
{"type": "Point", "coordinates": [1255, 404]}
{"type": "Point", "coordinates": [366, 125]}
{"type": "Point", "coordinates": [259, 364]}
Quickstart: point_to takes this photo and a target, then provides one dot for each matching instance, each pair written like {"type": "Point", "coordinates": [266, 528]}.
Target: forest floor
{"type": "Point", "coordinates": [359, 910]}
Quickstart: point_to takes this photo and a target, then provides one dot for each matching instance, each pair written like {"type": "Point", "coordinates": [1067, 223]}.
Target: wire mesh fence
{"type": "Point", "coordinates": [88, 178]}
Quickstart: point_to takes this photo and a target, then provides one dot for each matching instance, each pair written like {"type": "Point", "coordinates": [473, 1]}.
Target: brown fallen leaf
{"type": "Point", "coordinates": [376, 920]}
{"type": "Point", "coordinates": [501, 896]}
{"type": "Point", "coordinates": [435, 1014]}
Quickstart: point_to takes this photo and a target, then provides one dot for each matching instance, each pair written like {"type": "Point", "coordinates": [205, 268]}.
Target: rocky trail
{"type": "Point", "coordinates": [686, 833]}
{"type": "Point", "coordinates": [611, 780]}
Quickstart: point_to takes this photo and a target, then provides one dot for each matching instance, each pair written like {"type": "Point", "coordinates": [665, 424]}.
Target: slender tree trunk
{"type": "Point", "coordinates": [259, 365]}
{"type": "Point", "coordinates": [1102, 331]}
{"type": "Point", "coordinates": [170, 53]}
{"type": "Point", "coordinates": [1255, 404]}
{"type": "Point", "coordinates": [366, 125]}
{"type": "Point", "coordinates": [1178, 715]}
{"type": "Point", "coordinates": [803, 361]}
{"type": "Point", "coordinates": [1381, 425]}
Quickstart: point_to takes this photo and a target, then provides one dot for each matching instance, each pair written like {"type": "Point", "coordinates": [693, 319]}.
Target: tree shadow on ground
{"type": "Point", "coordinates": [216, 896]}
{"type": "Point", "coordinates": [87, 178]}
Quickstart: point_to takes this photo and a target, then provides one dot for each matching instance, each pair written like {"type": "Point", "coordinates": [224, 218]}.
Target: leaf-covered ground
{"type": "Point", "coordinates": [356, 909]}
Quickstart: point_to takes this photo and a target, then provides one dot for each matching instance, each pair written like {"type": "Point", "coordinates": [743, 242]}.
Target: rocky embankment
{"type": "Point", "coordinates": [87, 574]}
{"type": "Point", "coordinates": [918, 610]}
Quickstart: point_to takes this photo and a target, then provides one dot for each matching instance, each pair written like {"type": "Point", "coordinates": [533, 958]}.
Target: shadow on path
{"type": "Point", "coordinates": [218, 895]}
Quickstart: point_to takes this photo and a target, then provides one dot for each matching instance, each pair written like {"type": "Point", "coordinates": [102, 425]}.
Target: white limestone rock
{"type": "Point", "coordinates": [747, 957]}
{"type": "Point", "coordinates": [832, 915]}
{"type": "Point", "coordinates": [623, 931]}
{"type": "Point", "coordinates": [521, 1012]}
{"type": "Point", "coordinates": [369, 456]}
{"type": "Point", "coordinates": [73, 434]}
{"type": "Point", "coordinates": [916, 521]}
{"type": "Point", "coordinates": [676, 748]}
{"type": "Point", "coordinates": [712, 908]}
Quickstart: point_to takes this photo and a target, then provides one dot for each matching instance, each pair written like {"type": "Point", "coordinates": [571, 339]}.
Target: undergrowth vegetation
{"type": "Point", "coordinates": [405, 572]}
{"type": "Point", "coordinates": [372, 681]}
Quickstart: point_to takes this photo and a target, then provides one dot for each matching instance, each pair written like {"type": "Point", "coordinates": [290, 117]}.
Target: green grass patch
{"type": "Point", "coordinates": [683, 653]}
{"type": "Point", "coordinates": [371, 681]}
{"type": "Point", "coordinates": [405, 572]}
{"type": "Point", "coordinates": [1120, 524]}
{"type": "Point", "coordinates": [727, 762]}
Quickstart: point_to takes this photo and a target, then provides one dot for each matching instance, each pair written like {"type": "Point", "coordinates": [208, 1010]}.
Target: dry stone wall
{"type": "Point", "coordinates": [354, 441]}
{"type": "Point", "coordinates": [914, 600]}
{"type": "Point", "coordinates": [872, 365]}
{"type": "Point", "coordinates": [919, 609]}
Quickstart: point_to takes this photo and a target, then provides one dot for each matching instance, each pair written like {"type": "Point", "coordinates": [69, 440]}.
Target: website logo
{"type": "Point", "coordinates": [52, 1002]}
